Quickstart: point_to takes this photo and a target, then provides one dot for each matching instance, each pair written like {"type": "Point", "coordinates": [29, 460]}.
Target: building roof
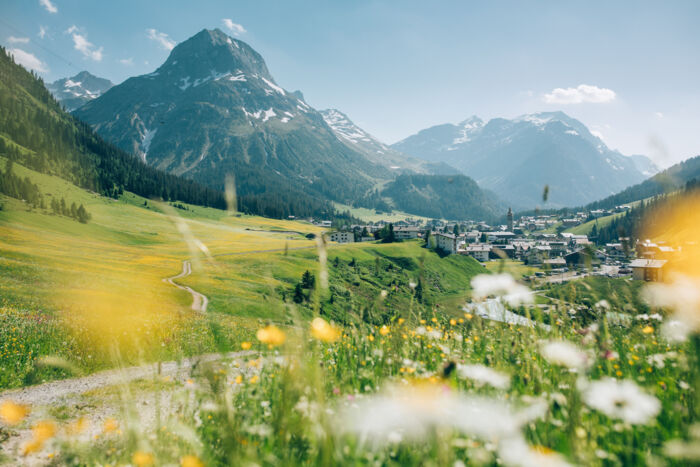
{"type": "Point", "coordinates": [648, 263]}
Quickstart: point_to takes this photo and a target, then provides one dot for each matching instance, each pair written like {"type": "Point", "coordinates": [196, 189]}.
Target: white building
{"type": "Point", "coordinates": [342, 237]}
{"type": "Point", "coordinates": [478, 252]}
{"type": "Point", "coordinates": [448, 242]}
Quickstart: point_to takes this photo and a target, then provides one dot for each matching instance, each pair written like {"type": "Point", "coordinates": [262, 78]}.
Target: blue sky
{"type": "Point", "coordinates": [628, 70]}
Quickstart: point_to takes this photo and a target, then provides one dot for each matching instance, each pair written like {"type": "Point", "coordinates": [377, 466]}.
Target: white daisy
{"type": "Point", "coordinates": [482, 375]}
{"type": "Point", "coordinates": [564, 354]}
{"type": "Point", "coordinates": [502, 285]}
{"type": "Point", "coordinates": [623, 400]}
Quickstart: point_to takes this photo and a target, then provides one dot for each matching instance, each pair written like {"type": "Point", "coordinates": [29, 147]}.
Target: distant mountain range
{"type": "Point", "coordinates": [75, 91]}
{"type": "Point", "coordinates": [378, 152]}
{"type": "Point", "coordinates": [517, 158]}
{"type": "Point", "coordinates": [213, 110]}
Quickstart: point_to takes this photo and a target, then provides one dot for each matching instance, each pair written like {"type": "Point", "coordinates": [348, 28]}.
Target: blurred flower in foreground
{"type": "Point", "coordinates": [564, 354]}
{"type": "Point", "coordinates": [323, 331]}
{"type": "Point", "coordinates": [271, 335]}
{"type": "Point", "coordinates": [623, 400]}
{"type": "Point", "coordinates": [503, 285]}
{"type": "Point", "coordinates": [191, 461]}
{"type": "Point", "coordinates": [142, 459]}
{"type": "Point", "coordinates": [683, 296]}
{"type": "Point", "coordinates": [481, 375]}
{"type": "Point", "coordinates": [415, 412]}
{"type": "Point", "coordinates": [516, 451]}
{"type": "Point", "coordinates": [44, 430]}
{"type": "Point", "coordinates": [110, 425]}
{"type": "Point", "coordinates": [41, 432]}
{"type": "Point", "coordinates": [12, 413]}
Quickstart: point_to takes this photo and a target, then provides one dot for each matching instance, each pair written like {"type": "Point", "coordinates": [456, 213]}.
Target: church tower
{"type": "Point", "coordinates": [510, 220]}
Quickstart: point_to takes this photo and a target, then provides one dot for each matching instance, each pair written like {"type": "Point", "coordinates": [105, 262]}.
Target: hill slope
{"type": "Point", "coordinates": [517, 158]}
{"type": "Point", "coordinates": [671, 179]}
{"type": "Point", "coordinates": [454, 197]}
{"type": "Point", "coordinates": [35, 131]}
{"type": "Point", "coordinates": [213, 109]}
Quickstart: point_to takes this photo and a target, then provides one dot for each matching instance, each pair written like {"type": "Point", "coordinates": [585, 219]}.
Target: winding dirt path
{"type": "Point", "coordinates": [199, 300]}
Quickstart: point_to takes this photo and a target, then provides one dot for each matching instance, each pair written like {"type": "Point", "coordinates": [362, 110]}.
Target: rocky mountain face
{"type": "Point", "coordinates": [75, 91]}
{"type": "Point", "coordinates": [213, 109]}
{"type": "Point", "coordinates": [378, 152]}
{"type": "Point", "coordinates": [517, 158]}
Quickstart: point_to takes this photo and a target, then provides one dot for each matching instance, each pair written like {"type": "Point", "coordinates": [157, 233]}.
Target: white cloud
{"type": "Point", "coordinates": [42, 32]}
{"type": "Point", "coordinates": [161, 38]}
{"type": "Point", "coordinates": [17, 40]}
{"type": "Point", "coordinates": [82, 45]}
{"type": "Point", "coordinates": [28, 60]}
{"type": "Point", "coordinates": [127, 61]}
{"type": "Point", "coordinates": [659, 114]}
{"type": "Point", "coordinates": [235, 28]}
{"type": "Point", "coordinates": [50, 7]}
{"type": "Point", "coordinates": [584, 93]}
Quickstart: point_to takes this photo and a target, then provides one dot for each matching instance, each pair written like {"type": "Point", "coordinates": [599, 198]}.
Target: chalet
{"type": "Point", "coordinates": [499, 237]}
{"type": "Point", "coordinates": [558, 247]}
{"type": "Point", "coordinates": [478, 252]}
{"type": "Point", "coordinates": [648, 269]}
{"type": "Point", "coordinates": [555, 263]}
{"type": "Point", "coordinates": [537, 254]}
{"type": "Point", "coordinates": [342, 237]}
{"type": "Point", "coordinates": [581, 258]}
{"type": "Point", "coordinates": [406, 233]}
{"type": "Point", "coordinates": [502, 251]}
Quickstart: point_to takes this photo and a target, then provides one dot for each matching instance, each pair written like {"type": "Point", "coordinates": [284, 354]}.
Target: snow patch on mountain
{"type": "Point", "coordinates": [273, 86]}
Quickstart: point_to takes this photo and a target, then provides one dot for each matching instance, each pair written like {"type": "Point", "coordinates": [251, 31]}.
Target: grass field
{"type": "Point", "coordinates": [78, 291]}
{"type": "Point", "coordinates": [516, 269]}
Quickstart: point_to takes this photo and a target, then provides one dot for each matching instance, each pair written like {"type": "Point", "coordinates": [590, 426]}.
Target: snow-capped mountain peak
{"type": "Point", "coordinates": [75, 91]}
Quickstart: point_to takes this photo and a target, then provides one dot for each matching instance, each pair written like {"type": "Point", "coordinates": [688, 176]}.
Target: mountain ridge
{"type": "Point", "coordinates": [517, 158]}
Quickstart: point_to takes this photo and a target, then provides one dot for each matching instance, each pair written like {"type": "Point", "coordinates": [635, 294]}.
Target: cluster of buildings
{"type": "Point", "coordinates": [535, 240]}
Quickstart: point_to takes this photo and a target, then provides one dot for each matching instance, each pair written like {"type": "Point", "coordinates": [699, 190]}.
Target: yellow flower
{"type": "Point", "coordinates": [384, 330]}
{"type": "Point", "coordinates": [32, 446]}
{"type": "Point", "coordinates": [78, 426]}
{"type": "Point", "coordinates": [323, 331]}
{"type": "Point", "coordinates": [254, 379]}
{"type": "Point", "coordinates": [648, 330]}
{"type": "Point", "coordinates": [239, 379]}
{"type": "Point", "coordinates": [44, 430]}
{"type": "Point", "coordinates": [246, 345]}
{"type": "Point", "coordinates": [370, 337]}
{"type": "Point", "coordinates": [401, 321]}
{"type": "Point", "coordinates": [468, 315]}
{"type": "Point", "coordinates": [453, 322]}
{"type": "Point", "coordinates": [191, 461]}
{"type": "Point", "coordinates": [110, 425]}
{"type": "Point", "coordinates": [433, 319]}
{"type": "Point", "coordinates": [11, 413]}
{"type": "Point", "coordinates": [142, 459]}
{"type": "Point", "coordinates": [271, 335]}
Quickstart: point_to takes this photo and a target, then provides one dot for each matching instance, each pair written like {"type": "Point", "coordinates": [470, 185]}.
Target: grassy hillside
{"type": "Point", "coordinates": [79, 291]}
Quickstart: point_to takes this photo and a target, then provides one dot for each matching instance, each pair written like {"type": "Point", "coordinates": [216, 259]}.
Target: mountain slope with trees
{"type": "Point", "coordinates": [213, 110]}
{"type": "Point", "coordinates": [35, 131]}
